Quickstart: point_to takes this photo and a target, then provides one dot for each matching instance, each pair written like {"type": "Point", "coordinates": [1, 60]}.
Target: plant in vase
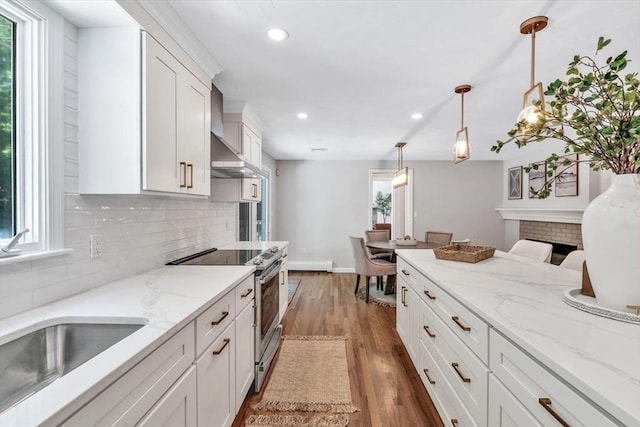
{"type": "Point", "coordinates": [596, 113]}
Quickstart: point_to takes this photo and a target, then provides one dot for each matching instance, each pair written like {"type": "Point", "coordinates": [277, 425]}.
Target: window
{"type": "Point", "coordinates": [7, 133]}
{"type": "Point", "coordinates": [31, 119]}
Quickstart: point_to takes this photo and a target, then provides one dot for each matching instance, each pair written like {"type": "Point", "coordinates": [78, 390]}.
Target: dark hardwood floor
{"type": "Point", "coordinates": [384, 384]}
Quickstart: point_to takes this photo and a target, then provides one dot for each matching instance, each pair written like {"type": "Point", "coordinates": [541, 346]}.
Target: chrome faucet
{"type": "Point", "coordinates": [14, 241]}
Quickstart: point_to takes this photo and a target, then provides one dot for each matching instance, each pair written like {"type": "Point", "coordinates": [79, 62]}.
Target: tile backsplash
{"type": "Point", "coordinates": [141, 233]}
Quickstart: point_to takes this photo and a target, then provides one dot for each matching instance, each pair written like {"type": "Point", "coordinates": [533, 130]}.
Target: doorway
{"type": "Point", "coordinates": [390, 208]}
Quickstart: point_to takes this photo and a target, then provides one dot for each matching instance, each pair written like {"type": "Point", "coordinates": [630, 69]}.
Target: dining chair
{"type": "Point", "coordinates": [573, 260]}
{"type": "Point", "coordinates": [378, 236]}
{"type": "Point", "coordinates": [368, 267]}
{"type": "Point", "coordinates": [536, 251]}
{"type": "Point", "coordinates": [438, 237]}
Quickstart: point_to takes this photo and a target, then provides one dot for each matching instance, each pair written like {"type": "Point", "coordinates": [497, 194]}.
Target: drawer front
{"type": "Point", "coordinates": [505, 410]}
{"type": "Point", "coordinates": [245, 292]}
{"type": "Point", "coordinates": [451, 410]}
{"type": "Point", "coordinates": [214, 320]}
{"type": "Point", "coordinates": [466, 374]}
{"type": "Point", "coordinates": [139, 389]}
{"type": "Point", "coordinates": [465, 325]}
{"type": "Point", "coordinates": [409, 274]}
{"type": "Point", "coordinates": [547, 398]}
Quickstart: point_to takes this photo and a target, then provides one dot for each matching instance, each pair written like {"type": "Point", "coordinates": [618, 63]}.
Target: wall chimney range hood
{"type": "Point", "coordinates": [228, 164]}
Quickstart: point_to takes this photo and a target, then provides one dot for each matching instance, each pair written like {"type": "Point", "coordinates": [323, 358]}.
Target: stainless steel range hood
{"type": "Point", "coordinates": [227, 164]}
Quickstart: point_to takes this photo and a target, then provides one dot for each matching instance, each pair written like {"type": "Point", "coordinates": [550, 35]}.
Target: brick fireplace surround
{"type": "Point", "coordinates": [557, 232]}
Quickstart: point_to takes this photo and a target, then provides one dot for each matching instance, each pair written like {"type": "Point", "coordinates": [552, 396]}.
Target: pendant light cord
{"type": "Point", "coordinates": [533, 54]}
{"type": "Point", "coordinates": [462, 111]}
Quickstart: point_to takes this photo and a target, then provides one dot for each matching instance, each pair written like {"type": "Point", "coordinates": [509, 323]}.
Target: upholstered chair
{"type": "Point", "coordinates": [573, 260]}
{"type": "Point", "coordinates": [378, 236]}
{"type": "Point", "coordinates": [438, 237]}
{"type": "Point", "coordinates": [368, 267]}
{"type": "Point", "coordinates": [536, 251]}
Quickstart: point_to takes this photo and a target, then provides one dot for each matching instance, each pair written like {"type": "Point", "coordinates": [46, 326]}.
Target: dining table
{"type": "Point", "coordinates": [391, 245]}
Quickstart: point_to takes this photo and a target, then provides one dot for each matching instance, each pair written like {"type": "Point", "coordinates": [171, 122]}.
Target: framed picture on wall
{"type": "Point", "coordinates": [515, 183]}
{"type": "Point", "coordinates": [537, 178]}
{"type": "Point", "coordinates": [566, 183]}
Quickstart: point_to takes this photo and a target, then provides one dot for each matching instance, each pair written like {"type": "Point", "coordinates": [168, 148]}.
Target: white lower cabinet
{"type": "Point", "coordinates": [245, 354]}
{"type": "Point", "coordinates": [216, 381]}
{"type": "Point", "coordinates": [177, 408]}
{"type": "Point", "coordinates": [284, 286]}
{"type": "Point", "coordinates": [505, 410]}
{"type": "Point", "coordinates": [408, 318]}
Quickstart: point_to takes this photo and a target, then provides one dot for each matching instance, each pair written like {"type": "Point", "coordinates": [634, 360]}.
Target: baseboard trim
{"type": "Point", "coordinates": [310, 265]}
{"type": "Point", "coordinates": [344, 270]}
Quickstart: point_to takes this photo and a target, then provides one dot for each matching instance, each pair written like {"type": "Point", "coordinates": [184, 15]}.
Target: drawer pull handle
{"type": "Point", "coordinates": [426, 374]}
{"type": "Point", "coordinates": [217, 322]}
{"type": "Point", "coordinates": [462, 377]}
{"type": "Point", "coordinates": [183, 174]}
{"type": "Point", "coordinates": [404, 297]}
{"type": "Point", "coordinates": [190, 167]}
{"type": "Point", "coordinates": [246, 294]}
{"type": "Point", "coordinates": [426, 329]}
{"type": "Point", "coordinates": [405, 272]}
{"type": "Point", "coordinates": [428, 294]}
{"type": "Point", "coordinates": [454, 422]}
{"type": "Point", "coordinates": [545, 402]}
{"type": "Point", "coordinates": [226, 343]}
{"type": "Point", "coordinates": [457, 320]}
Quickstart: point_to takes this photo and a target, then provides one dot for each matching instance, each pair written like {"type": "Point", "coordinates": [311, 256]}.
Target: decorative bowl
{"type": "Point", "coordinates": [407, 242]}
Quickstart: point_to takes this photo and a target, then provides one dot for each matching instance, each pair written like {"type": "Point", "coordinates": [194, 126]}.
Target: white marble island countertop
{"type": "Point", "coordinates": [164, 300]}
{"type": "Point", "coordinates": [598, 357]}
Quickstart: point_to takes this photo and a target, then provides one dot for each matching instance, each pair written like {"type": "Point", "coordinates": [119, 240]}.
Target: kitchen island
{"type": "Point", "coordinates": [505, 317]}
{"type": "Point", "coordinates": [166, 301]}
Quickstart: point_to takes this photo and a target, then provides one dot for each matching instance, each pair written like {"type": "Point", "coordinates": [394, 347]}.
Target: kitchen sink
{"type": "Point", "coordinates": [34, 360]}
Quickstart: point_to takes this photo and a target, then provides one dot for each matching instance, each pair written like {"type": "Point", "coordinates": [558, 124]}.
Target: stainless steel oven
{"type": "Point", "coordinates": [267, 288]}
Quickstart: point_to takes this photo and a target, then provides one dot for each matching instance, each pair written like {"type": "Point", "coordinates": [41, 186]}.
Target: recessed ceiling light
{"type": "Point", "coordinates": [416, 116]}
{"type": "Point", "coordinates": [277, 34]}
{"type": "Point", "coordinates": [302, 116]}
{"type": "Point", "coordinates": [321, 149]}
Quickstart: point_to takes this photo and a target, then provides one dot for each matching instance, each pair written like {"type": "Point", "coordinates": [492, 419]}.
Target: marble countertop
{"type": "Point", "coordinates": [164, 300]}
{"type": "Point", "coordinates": [599, 357]}
{"type": "Point", "coordinates": [256, 245]}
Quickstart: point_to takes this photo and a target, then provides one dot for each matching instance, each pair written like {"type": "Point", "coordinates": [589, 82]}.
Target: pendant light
{"type": "Point", "coordinates": [462, 149]}
{"type": "Point", "coordinates": [401, 176]}
{"type": "Point", "coordinates": [531, 113]}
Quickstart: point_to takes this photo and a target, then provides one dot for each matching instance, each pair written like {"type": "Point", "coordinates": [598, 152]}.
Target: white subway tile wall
{"type": "Point", "coordinates": [141, 233]}
{"type": "Point", "coordinates": [555, 232]}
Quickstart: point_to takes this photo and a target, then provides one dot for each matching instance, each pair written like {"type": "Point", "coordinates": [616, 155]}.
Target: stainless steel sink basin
{"type": "Point", "coordinates": [32, 361]}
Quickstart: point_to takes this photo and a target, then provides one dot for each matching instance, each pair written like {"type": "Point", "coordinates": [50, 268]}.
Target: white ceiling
{"type": "Point", "coordinates": [360, 68]}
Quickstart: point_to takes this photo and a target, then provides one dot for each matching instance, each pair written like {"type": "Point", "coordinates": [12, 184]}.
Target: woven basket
{"type": "Point", "coordinates": [464, 253]}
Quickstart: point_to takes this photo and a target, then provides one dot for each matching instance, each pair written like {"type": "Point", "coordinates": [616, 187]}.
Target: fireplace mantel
{"type": "Point", "coordinates": [571, 216]}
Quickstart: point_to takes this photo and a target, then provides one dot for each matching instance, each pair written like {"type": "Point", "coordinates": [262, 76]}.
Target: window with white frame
{"type": "Point", "coordinates": [30, 124]}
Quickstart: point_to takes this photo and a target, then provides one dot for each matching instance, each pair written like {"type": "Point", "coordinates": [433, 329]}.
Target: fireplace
{"type": "Point", "coordinates": [565, 237]}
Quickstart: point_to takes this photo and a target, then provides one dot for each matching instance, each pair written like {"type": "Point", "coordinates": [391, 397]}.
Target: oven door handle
{"type": "Point", "coordinates": [269, 274]}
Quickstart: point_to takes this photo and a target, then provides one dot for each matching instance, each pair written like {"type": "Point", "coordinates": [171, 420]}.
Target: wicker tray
{"type": "Point", "coordinates": [464, 253]}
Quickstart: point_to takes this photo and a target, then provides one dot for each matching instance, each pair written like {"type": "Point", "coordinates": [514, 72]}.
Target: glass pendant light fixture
{"type": "Point", "coordinates": [462, 149]}
{"type": "Point", "coordinates": [531, 113]}
{"type": "Point", "coordinates": [401, 176]}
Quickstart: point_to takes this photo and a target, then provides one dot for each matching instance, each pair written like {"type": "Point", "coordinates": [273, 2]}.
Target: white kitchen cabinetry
{"type": "Point", "coordinates": [144, 117]}
{"type": "Point", "coordinates": [245, 137]}
{"type": "Point", "coordinates": [474, 374]}
{"type": "Point", "coordinates": [284, 285]}
{"type": "Point", "coordinates": [177, 408]}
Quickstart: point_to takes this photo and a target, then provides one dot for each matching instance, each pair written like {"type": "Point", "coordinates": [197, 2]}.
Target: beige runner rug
{"type": "Point", "coordinates": [310, 374]}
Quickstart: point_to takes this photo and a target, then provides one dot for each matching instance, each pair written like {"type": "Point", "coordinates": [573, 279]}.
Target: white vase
{"type": "Point", "coordinates": [611, 238]}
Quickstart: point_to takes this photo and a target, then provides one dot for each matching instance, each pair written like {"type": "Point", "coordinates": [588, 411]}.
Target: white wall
{"type": "Point", "coordinates": [268, 162]}
{"type": "Point", "coordinates": [141, 233]}
{"type": "Point", "coordinates": [321, 203]}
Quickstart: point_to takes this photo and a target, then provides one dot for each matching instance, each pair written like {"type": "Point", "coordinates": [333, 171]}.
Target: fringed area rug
{"type": "Point", "coordinates": [376, 296]}
{"type": "Point", "coordinates": [310, 374]}
{"type": "Point", "coordinates": [297, 421]}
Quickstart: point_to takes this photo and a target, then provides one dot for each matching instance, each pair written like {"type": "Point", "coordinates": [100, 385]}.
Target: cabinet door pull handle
{"type": "Point", "coordinates": [404, 297]}
{"type": "Point", "coordinates": [428, 294]}
{"type": "Point", "coordinates": [545, 402]}
{"type": "Point", "coordinates": [405, 272]}
{"type": "Point", "coordinates": [428, 331]}
{"type": "Point", "coordinates": [456, 319]}
{"type": "Point", "coordinates": [246, 294]}
{"type": "Point", "coordinates": [454, 422]}
{"type": "Point", "coordinates": [462, 377]}
{"type": "Point", "coordinates": [183, 174]}
{"type": "Point", "coordinates": [190, 167]}
{"type": "Point", "coordinates": [254, 190]}
{"type": "Point", "coordinates": [426, 374]}
{"type": "Point", "coordinates": [226, 343]}
{"type": "Point", "coordinates": [217, 322]}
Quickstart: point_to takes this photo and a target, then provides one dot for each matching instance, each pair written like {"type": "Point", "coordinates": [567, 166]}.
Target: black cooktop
{"type": "Point", "coordinates": [219, 257]}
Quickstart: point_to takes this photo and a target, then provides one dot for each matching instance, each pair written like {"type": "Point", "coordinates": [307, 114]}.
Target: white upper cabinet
{"type": "Point", "coordinates": [144, 117]}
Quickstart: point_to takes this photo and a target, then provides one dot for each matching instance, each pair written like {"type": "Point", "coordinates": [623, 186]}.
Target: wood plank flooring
{"type": "Point", "coordinates": [384, 384]}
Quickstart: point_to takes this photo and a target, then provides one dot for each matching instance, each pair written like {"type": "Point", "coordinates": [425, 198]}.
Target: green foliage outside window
{"type": "Point", "coordinates": [6, 127]}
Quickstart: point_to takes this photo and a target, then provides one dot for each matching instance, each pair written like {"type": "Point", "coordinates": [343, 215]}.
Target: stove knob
{"type": "Point", "coordinates": [274, 249]}
{"type": "Point", "coordinates": [258, 260]}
